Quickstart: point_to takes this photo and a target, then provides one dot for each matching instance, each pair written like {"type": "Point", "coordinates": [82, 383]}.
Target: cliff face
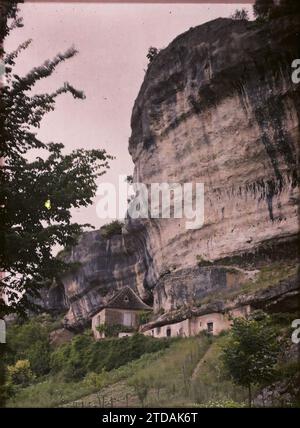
{"type": "Point", "coordinates": [102, 266]}
{"type": "Point", "coordinates": [218, 107]}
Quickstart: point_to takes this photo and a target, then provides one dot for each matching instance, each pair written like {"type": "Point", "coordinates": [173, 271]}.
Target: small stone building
{"type": "Point", "coordinates": [123, 309]}
{"type": "Point", "coordinates": [213, 323]}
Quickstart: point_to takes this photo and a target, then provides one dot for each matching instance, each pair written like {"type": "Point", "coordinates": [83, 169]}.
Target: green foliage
{"type": "Point", "coordinates": [83, 355]}
{"type": "Point", "coordinates": [28, 228]}
{"type": "Point", "coordinates": [96, 380]}
{"type": "Point", "coordinates": [71, 359]}
{"type": "Point", "coordinates": [30, 340]}
{"type": "Point", "coordinates": [113, 330]}
{"type": "Point", "coordinates": [144, 317]}
{"type": "Point", "coordinates": [20, 373]}
{"type": "Point", "coordinates": [111, 229]}
{"type": "Point", "coordinates": [251, 353]}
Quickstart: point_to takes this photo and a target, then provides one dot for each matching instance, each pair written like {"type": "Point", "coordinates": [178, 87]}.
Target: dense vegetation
{"type": "Point", "coordinates": [140, 370]}
{"type": "Point", "coordinates": [83, 355]}
{"type": "Point", "coordinates": [31, 358]}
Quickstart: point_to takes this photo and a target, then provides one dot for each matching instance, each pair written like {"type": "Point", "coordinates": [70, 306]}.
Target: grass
{"type": "Point", "coordinates": [168, 375]}
{"type": "Point", "coordinates": [173, 367]}
{"type": "Point", "coordinates": [190, 375]}
{"type": "Point", "coordinates": [209, 384]}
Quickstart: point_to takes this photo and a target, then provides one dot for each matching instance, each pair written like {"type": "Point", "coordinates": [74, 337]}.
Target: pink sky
{"type": "Point", "coordinates": [113, 40]}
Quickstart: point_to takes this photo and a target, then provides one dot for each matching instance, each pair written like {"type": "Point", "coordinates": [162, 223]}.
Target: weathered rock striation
{"type": "Point", "coordinates": [217, 106]}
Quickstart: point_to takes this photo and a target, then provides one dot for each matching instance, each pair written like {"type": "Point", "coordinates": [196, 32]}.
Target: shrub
{"type": "Point", "coordinates": [111, 229]}
{"type": "Point", "coordinates": [240, 15]}
{"type": "Point", "coordinates": [30, 341]}
{"type": "Point", "coordinates": [112, 330]}
{"type": "Point", "coordinates": [96, 380]}
{"type": "Point", "coordinates": [20, 373]}
{"type": "Point", "coordinates": [71, 359]}
{"type": "Point", "coordinates": [82, 355]}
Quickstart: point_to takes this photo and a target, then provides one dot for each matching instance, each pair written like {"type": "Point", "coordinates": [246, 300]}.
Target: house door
{"type": "Point", "coordinates": [127, 319]}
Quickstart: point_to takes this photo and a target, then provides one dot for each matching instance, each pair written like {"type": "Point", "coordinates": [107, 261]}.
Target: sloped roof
{"type": "Point", "coordinates": [126, 298]}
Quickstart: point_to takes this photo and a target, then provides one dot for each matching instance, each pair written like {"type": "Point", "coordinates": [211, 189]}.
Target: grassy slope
{"type": "Point", "coordinates": [189, 372]}
{"type": "Point", "coordinates": [173, 367]}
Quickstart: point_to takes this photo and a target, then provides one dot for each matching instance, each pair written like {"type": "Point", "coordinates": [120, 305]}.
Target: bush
{"type": "Point", "coordinates": [30, 341]}
{"type": "Point", "coordinates": [20, 373]}
{"type": "Point", "coordinates": [71, 359]}
{"type": "Point", "coordinates": [81, 356]}
{"type": "Point", "coordinates": [113, 330]}
{"type": "Point", "coordinates": [240, 15]}
{"type": "Point", "coordinates": [111, 229]}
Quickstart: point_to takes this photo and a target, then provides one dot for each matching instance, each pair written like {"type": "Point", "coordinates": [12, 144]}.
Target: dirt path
{"type": "Point", "coordinates": [200, 364]}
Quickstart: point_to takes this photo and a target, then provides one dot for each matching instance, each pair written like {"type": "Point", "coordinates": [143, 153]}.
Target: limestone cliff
{"type": "Point", "coordinates": [217, 106]}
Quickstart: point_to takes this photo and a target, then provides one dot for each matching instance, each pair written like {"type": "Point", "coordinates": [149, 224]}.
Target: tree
{"type": "Point", "coordinates": [30, 340]}
{"type": "Point", "coordinates": [269, 9]}
{"type": "Point", "coordinates": [240, 15]}
{"type": "Point", "coordinates": [36, 197]}
{"type": "Point", "coordinates": [251, 353]}
{"type": "Point", "coordinates": [263, 8]}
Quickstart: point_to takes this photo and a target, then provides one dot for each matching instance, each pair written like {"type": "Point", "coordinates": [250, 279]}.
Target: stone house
{"type": "Point", "coordinates": [214, 323]}
{"type": "Point", "coordinates": [123, 310]}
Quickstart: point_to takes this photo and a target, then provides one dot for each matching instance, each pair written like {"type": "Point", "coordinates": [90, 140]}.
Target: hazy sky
{"type": "Point", "coordinates": [113, 40]}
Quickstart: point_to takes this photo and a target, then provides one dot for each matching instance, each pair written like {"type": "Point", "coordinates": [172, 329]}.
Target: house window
{"type": "Point", "coordinates": [210, 327]}
{"type": "Point", "coordinates": [126, 300]}
{"type": "Point", "coordinates": [168, 332]}
{"type": "Point", "coordinates": [127, 319]}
